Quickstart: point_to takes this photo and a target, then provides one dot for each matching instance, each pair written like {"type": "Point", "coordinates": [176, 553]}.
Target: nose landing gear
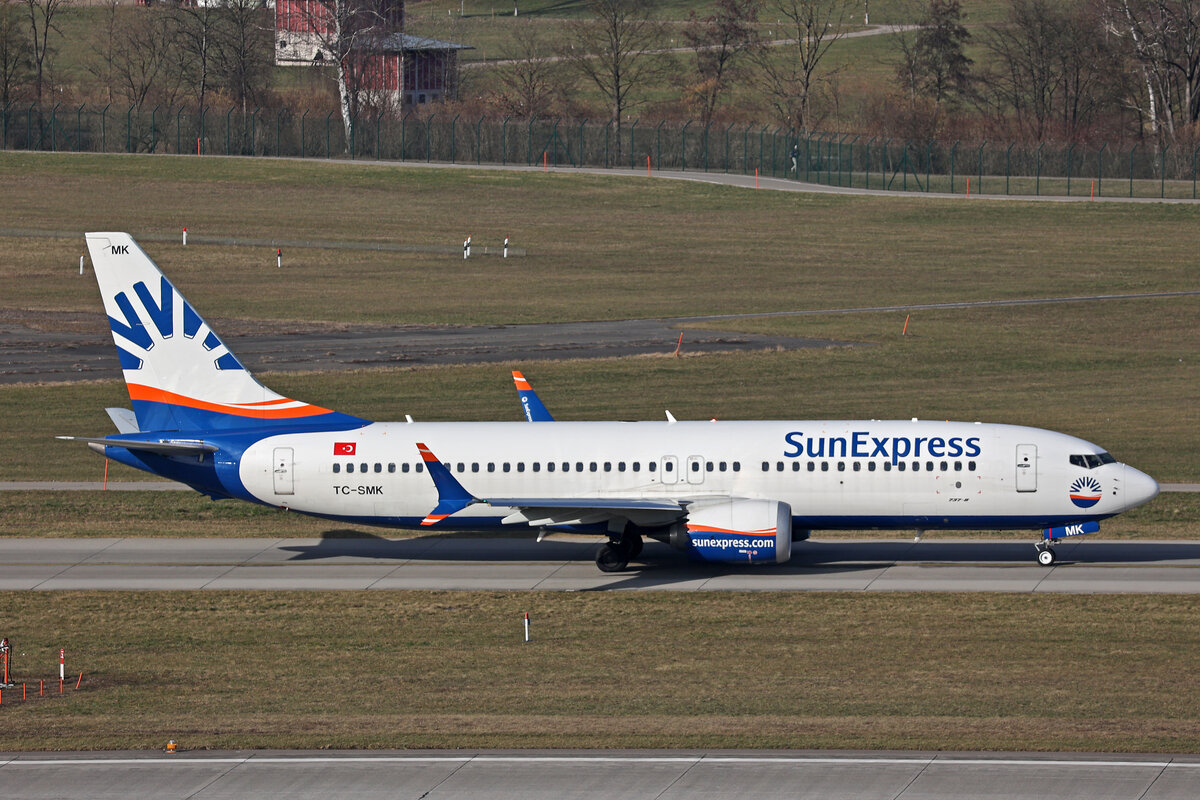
{"type": "Point", "coordinates": [1046, 556]}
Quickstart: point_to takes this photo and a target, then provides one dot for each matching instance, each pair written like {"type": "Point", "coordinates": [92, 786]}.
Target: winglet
{"type": "Point", "coordinates": [452, 497]}
{"type": "Point", "coordinates": [534, 410]}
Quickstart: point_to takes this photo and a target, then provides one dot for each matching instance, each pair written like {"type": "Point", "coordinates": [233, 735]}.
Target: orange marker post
{"type": "Point", "coordinates": [197, 145]}
{"type": "Point", "coordinates": [79, 681]}
{"type": "Point", "coordinates": [41, 688]}
{"type": "Point", "coordinates": [679, 345]}
{"type": "Point", "coordinates": [647, 165]}
{"type": "Point", "coordinates": [905, 331]}
{"type": "Point", "coordinates": [106, 474]}
{"type": "Point", "coordinates": [1093, 197]}
{"type": "Point", "coordinates": [968, 187]}
{"type": "Point", "coordinates": [756, 177]}
{"type": "Point", "coordinates": [544, 161]}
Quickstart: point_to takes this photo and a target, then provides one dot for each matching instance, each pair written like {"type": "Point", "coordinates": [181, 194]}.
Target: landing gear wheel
{"type": "Point", "coordinates": [1046, 557]}
{"type": "Point", "coordinates": [633, 543]}
{"type": "Point", "coordinates": [611, 557]}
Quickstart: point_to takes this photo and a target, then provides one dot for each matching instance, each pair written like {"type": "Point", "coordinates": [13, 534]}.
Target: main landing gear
{"type": "Point", "coordinates": [615, 554]}
{"type": "Point", "coordinates": [1045, 555]}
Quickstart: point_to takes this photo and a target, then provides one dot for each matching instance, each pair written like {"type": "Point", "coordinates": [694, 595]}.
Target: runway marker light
{"type": "Point", "coordinates": [171, 746]}
{"type": "Point", "coordinates": [527, 626]}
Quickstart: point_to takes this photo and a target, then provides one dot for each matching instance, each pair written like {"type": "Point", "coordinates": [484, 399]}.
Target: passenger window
{"type": "Point", "coordinates": [404, 467]}
{"type": "Point", "coordinates": [887, 466]}
{"type": "Point", "coordinates": [608, 466]}
{"type": "Point", "coordinates": [871, 466]}
{"type": "Point", "coordinates": [824, 466]}
{"type": "Point", "coordinates": [721, 466]}
{"type": "Point", "coordinates": [507, 467]}
{"type": "Point", "coordinates": [929, 466]}
{"type": "Point", "coordinates": [537, 466]}
{"type": "Point", "coordinates": [462, 467]}
{"type": "Point", "coordinates": [549, 466]}
{"type": "Point", "coordinates": [593, 466]}
{"type": "Point", "coordinates": [420, 467]}
{"type": "Point", "coordinates": [858, 466]}
{"type": "Point", "coordinates": [637, 466]}
{"type": "Point", "coordinates": [812, 466]}
{"type": "Point", "coordinates": [651, 466]}
{"type": "Point", "coordinates": [620, 466]}
{"type": "Point", "coordinates": [378, 467]}
{"type": "Point", "coordinates": [900, 466]}
{"type": "Point", "coordinates": [766, 466]}
{"type": "Point", "coordinates": [566, 466]}
{"type": "Point", "coordinates": [491, 466]}
{"type": "Point", "coordinates": [841, 466]}
{"type": "Point", "coordinates": [958, 466]}
{"type": "Point", "coordinates": [945, 466]}
{"type": "Point", "coordinates": [737, 466]}
{"type": "Point", "coordinates": [779, 466]}
{"type": "Point", "coordinates": [474, 466]}
{"type": "Point", "coordinates": [669, 466]}
{"type": "Point", "coordinates": [916, 466]}
{"type": "Point", "coordinates": [349, 468]}
{"type": "Point", "coordinates": [971, 466]}
{"type": "Point", "coordinates": [695, 466]}
{"type": "Point", "coordinates": [391, 468]}
{"type": "Point", "coordinates": [520, 466]}
{"type": "Point", "coordinates": [362, 467]}
{"type": "Point", "coordinates": [336, 468]}
{"type": "Point", "coordinates": [579, 466]}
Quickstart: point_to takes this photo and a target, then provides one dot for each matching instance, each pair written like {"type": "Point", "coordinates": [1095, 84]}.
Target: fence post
{"type": "Point", "coordinates": [554, 138]}
{"type": "Point", "coordinates": [746, 150]}
{"type": "Point", "coordinates": [479, 141]}
{"type": "Point", "coordinates": [179, 131]}
{"type": "Point", "coordinates": [928, 163]}
{"type": "Point", "coordinates": [103, 127]}
{"type": "Point", "coordinates": [683, 146]}
{"type": "Point", "coordinates": [1194, 153]}
{"type": "Point", "coordinates": [727, 130]}
{"type": "Point", "coordinates": [706, 129]}
{"type": "Point", "coordinates": [378, 134]}
{"type": "Point", "coordinates": [632, 130]}
{"type": "Point", "coordinates": [607, 136]}
{"type": "Point", "coordinates": [1131, 152]}
{"type": "Point", "coordinates": [404, 135]}
{"type": "Point", "coordinates": [529, 143]}
{"type": "Point", "coordinates": [154, 129]}
{"type": "Point", "coordinates": [254, 131]}
{"type": "Point", "coordinates": [454, 137]}
{"type": "Point", "coordinates": [78, 127]}
{"type": "Point", "coordinates": [953, 158]}
{"type": "Point", "coordinates": [979, 182]}
{"type": "Point", "coordinates": [350, 144]}
{"type": "Point", "coordinates": [1008, 166]}
{"type": "Point", "coordinates": [303, 137]}
{"type": "Point", "coordinates": [658, 144]}
{"type": "Point", "coordinates": [504, 140]}
{"type": "Point", "coordinates": [867, 164]}
{"type": "Point", "coordinates": [1070, 162]}
{"type": "Point", "coordinates": [429, 138]}
{"type": "Point", "coordinates": [203, 113]}
{"type": "Point", "coordinates": [1037, 181]}
{"type": "Point", "coordinates": [228, 116]}
{"type": "Point", "coordinates": [128, 130]}
{"type": "Point", "coordinates": [883, 157]}
{"type": "Point", "coordinates": [53, 123]}
{"type": "Point", "coordinates": [1162, 171]}
{"type": "Point", "coordinates": [328, 124]}
{"type": "Point", "coordinates": [907, 142]}
{"type": "Point", "coordinates": [1100, 170]}
{"type": "Point", "coordinates": [279, 132]}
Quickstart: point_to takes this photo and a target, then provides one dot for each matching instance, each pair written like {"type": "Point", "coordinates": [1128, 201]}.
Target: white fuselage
{"type": "Point", "coordinates": [833, 474]}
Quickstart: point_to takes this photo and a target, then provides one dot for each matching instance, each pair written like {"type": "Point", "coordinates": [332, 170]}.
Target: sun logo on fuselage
{"type": "Point", "coordinates": [1086, 492]}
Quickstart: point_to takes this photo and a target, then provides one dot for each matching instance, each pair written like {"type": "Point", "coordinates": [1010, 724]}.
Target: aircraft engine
{"type": "Point", "coordinates": [737, 531]}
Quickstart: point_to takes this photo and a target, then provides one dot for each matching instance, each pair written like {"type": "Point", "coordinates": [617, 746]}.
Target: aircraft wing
{"type": "Point", "coordinates": [179, 448]}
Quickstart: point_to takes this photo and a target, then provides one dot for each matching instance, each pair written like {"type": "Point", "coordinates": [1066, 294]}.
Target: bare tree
{"type": "Point", "coordinates": [243, 51]}
{"type": "Point", "coordinates": [145, 59]}
{"type": "Point", "coordinates": [615, 48]}
{"type": "Point", "coordinates": [529, 72]}
{"type": "Point", "coordinates": [719, 42]}
{"type": "Point", "coordinates": [15, 61]}
{"type": "Point", "coordinates": [102, 52]}
{"type": "Point", "coordinates": [789, 70]}
{"type": "Point", "coordinates": [43, 16]}
{"type": "Point", "coordinates": [197, 29]}
{"type": "Point", "coordinates": [347, 34]}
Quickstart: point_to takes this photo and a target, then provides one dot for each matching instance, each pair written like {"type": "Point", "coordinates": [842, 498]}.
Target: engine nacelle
{"type": "Point", "coordinates": [737, 531]}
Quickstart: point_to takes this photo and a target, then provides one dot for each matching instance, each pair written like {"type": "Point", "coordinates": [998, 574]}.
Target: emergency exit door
{"type": "Point", "coordinates": [283, 470]}
{"type": "Point", "coordinates": [1027, 468]}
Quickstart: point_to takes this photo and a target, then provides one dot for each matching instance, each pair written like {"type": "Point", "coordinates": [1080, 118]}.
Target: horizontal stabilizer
{"type": "Point", "coordinates": [124, 419]}
{"type": "Point", "coordinates": [161, 448]}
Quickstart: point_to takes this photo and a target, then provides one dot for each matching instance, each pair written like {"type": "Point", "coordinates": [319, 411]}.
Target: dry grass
{"type": "Point", "coordinates": [417, 669]}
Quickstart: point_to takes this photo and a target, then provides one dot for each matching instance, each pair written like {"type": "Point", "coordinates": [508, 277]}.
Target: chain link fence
{"type": "Point", "coordinates": [888, 164]}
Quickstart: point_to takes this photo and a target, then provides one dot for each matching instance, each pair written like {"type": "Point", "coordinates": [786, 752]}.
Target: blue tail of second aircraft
{"type": "Point", "coordinates": [180, 375]}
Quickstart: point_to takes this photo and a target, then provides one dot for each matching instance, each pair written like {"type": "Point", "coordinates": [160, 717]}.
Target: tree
{"type": "Point", "coordinates": [197, 34]}
{"type": "Point", "coordinates": [789, 69]}
{"type": "Point", "coordinates": [145, 59]}
{"type": "Point", "coordinates": [243, 57]}
{"type": "Point", "coordinates": [347, 34]}
{"type": "Point", "coordinates": [942, 68]}
{"type": "Point", "coordinates": [43, 19]}
{"type": "Point", "coordinates": [719, 41]}
{"type": "Point", "coordinates": [103, 51]}
{"type": "Point", "coordinates": [15, 61]}
{"type": "Point", "coordinates": [529, 73]}
{"type": "Point", "coordinates": [616, 49]}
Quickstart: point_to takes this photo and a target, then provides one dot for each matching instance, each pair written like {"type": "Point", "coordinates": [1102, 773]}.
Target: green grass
{"type": "Point", "coordinates": [662, 670]}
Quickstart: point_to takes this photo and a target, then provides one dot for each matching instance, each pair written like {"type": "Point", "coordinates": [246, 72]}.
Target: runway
{"type": "Point", "coordinates": [530, 775]}
{"type": "Point", "coordinates": [565, 564]}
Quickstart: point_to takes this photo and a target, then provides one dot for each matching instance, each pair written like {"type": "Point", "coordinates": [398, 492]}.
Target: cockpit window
{"type": "Point", "coordinates": [1092, 460]}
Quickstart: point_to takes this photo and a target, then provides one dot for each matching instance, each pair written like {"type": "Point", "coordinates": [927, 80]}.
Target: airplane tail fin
{"type": "Point", "coordinates": [179, 373]}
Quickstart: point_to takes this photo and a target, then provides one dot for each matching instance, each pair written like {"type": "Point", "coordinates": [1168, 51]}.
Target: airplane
{"type": "Point", "coordinates": [720, 491]}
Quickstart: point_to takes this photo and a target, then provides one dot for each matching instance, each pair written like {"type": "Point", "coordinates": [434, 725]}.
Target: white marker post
{"type": "Point", "coordinates": [185, 237]}
{"type": "Point", "coordinates": [80, 264]}
{"type": "Point", "coordinates": [506, 247]}
{"type": "Point", "coordinates": [62, 663]}
{"type": "Point", "coordinates": [467, 249]}
{"type": "Point", "coordinates": [278, 258]}
{"type": "Point", "coordinates": [527, 626]}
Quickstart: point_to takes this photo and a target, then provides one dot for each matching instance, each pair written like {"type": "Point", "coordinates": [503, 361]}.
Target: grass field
{"type": "Point", "coordinates": [686, 670]}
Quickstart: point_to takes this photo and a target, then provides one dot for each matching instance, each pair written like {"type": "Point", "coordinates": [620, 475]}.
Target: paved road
{"type": "Point", "coordinates": [598, 775]}
{"type": "Point", "coordinates": [565, 564]}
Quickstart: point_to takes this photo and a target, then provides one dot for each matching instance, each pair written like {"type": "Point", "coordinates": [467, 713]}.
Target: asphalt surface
{"type": "Point", "coordinates": [565, 563]}
{"type": "Point", "coordinates": [601, 775]}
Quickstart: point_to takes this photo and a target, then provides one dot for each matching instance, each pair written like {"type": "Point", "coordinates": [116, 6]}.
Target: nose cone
{"type": "Point", "coordinates": [1140, 488]}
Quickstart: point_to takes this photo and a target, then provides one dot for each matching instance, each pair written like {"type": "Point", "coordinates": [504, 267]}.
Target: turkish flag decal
{"type": "Point", "coordinates": [343, 448]}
